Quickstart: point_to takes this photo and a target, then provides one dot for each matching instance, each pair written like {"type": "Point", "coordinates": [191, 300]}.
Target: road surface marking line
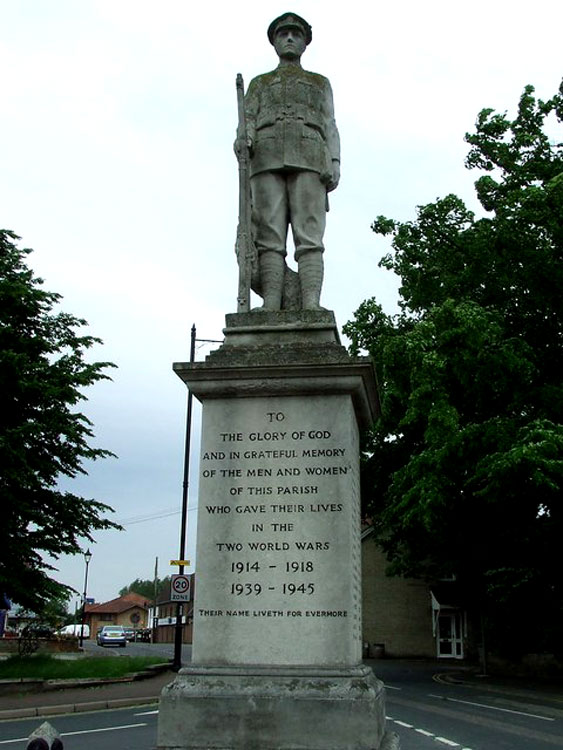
{"type": "Point", "coordinates": [424, 732]}
{"type": "Point", "coordinates": [493, 708]}
{"type": "Point", "coordinates": [391, 687]}
{"type": "Point", "coordinates": [84, 731]}
{"type": "Point", "coordinates": [17, 739]}
{"type": "Point", "coordinates": [147, 713]}
{"type": "Point", "coordinates": [104, 729]}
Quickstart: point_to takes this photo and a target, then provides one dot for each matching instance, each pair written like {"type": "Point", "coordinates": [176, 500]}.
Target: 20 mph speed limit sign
{"type": "Point", "coordinates": [180, 588]}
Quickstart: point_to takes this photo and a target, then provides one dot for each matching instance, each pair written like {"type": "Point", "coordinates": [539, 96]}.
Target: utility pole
{"type": "Point", "coordinates": [154, 623]}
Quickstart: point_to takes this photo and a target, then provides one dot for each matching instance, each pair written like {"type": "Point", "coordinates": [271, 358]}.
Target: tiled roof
{"type": "Point", "coordinates": [121, 604]}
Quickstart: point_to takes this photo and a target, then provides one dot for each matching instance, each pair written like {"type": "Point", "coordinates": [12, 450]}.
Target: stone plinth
{"type": "Point", "coordinates": [268, 709]}
{"type": "Point", "coordinates": [276, 658]}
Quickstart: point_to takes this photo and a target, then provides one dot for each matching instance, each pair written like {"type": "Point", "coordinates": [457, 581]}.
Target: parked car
{"type": "Point", "coordinates": [144, 634]}
{"type": "Point", "coordinates": [74, 630]}
{"type": "Point", "coordinates": [111, 635]}
{"type": "Point", "coordinates": [130, 634]}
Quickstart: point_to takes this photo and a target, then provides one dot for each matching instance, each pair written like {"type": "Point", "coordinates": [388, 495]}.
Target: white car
{"type": "Point", "coordinates": [74, 630]}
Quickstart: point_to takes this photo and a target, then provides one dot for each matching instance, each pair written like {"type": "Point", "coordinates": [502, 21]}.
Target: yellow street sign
{"type": "Point", "coordinates": [179, 562]}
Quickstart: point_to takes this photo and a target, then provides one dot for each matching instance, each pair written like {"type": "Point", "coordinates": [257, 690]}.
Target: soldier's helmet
{"type": "Point", "coordinates": [293, 21]}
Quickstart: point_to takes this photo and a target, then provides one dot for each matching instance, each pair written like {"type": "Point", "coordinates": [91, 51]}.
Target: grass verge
{"type": "Point", "coordinates": [45, 667]}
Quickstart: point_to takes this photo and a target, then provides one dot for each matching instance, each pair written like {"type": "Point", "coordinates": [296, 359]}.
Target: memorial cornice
{"type": "Point", "coordinates": [353, 377]}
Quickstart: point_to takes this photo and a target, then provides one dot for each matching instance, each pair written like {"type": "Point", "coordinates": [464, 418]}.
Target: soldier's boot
{"type": "Point", "coordinates": [272, 268]}
{"type": "Point", "coordinates": [311, 270]}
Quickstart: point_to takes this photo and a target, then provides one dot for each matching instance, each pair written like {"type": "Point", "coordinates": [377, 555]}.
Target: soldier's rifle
{"type": "Point", "coordinates": [245, 249]}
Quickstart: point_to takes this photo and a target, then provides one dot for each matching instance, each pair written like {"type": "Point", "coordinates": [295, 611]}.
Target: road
{"type": "Point", "coordinates": [165, 650]}
{"type": "Point", "coordinates": [125, 729]}
{"type": "Point", "coordinates": [427, 713]}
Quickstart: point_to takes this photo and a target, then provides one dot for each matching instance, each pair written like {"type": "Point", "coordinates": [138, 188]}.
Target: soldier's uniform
{"type": "Point", "coordinates": [290, 120]}
{"type": "Point", "coordinates": [295, 160]}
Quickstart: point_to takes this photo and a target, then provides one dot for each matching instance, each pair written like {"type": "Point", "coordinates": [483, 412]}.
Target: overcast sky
{"type": "Point", "coordinates": [118, 119]}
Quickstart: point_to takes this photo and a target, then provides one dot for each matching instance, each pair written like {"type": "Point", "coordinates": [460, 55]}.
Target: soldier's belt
{"type": "Point", "coordinates": [291, 117]}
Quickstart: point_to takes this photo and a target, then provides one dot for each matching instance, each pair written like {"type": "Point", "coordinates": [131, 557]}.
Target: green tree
{"type": "Point", "coordinates": [463, 471]}
{"type": "Point", "coordinates": [145, 587]}
{"type": "Point", "coordinates": [55, 612]}
{"type": "Point", "coordinates": [43, 438]}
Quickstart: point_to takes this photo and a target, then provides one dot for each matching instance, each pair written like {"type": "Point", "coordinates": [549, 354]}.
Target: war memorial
{"type": "Point", "coordinates": [277, 659]}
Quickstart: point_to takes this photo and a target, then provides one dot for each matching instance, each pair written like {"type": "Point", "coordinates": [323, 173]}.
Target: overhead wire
{"type": "Point", "coordinates": [165, 513]}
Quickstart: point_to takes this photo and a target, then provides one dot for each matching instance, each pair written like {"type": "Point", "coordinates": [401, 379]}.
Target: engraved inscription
{"type": "Point", "coordinates": [278, 528]}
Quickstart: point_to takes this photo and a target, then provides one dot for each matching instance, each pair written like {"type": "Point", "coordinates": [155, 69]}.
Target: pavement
{"type": "Point", "coordinates": [82, 696]}
{"type": "Point", "coordinates": [79, 696]}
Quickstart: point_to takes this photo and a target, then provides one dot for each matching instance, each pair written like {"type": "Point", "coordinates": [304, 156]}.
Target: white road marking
{"type": "Point", "coordinates": [147, 713]}
{"type": "Point", "coordinates": [83, 731]}
{"type": "Point", "coordinates": [391, 687]}
{"type": "Point", "coordinates": [493, 708]}
{"type": "Point", "coordinates": [104, 729]}
{"type": "Point", "coordinates": [17, 739]}
{"type": "Point", "coordinates": [426, 733]}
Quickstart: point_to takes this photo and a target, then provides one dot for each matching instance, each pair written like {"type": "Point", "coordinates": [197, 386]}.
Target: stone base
{"type": "Point", "coordinates": [309, 327]}
{"type": "Point", "coordinates": [283, 354]}
{"type": "Point", "coordinates": [273, 708]}
{"type": "Point", "coordinates": [278, 337]}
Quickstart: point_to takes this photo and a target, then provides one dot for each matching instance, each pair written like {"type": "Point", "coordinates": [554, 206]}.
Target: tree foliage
{"type": "Point", "coordinates": [464, 469]}
{"type": "Point", "coordinates": [55, 612]}
{"type": "Point", "coordinates": [43, 437]}
{"type": "Point", "coordinates": [145, 587]}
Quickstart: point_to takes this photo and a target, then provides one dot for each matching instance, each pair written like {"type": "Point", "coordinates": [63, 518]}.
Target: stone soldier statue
{"type": "Point", "coordinates": [294, 150]}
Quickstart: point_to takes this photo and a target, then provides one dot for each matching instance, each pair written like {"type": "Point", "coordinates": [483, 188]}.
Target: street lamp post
{"type": "Point", "coordinates": [87, 558]}
{"type": "Point", "coordinates": [178, 630]}
{"type": "Point", "coordinates": [177, 662]}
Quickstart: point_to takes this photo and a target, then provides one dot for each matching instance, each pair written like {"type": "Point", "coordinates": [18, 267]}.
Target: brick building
{"type": "Point", "coordinates": [130, 611]}
{"type": "Point", "coordinates": [407, 617]}
{"type": "Point", "coordinates": [163, 618]}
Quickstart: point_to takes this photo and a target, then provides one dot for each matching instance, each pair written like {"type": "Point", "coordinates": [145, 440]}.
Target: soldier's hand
{"type": "Point", "coordinates": [335, 179]}
{"type": "Point", "coordinates": [238, 145]}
